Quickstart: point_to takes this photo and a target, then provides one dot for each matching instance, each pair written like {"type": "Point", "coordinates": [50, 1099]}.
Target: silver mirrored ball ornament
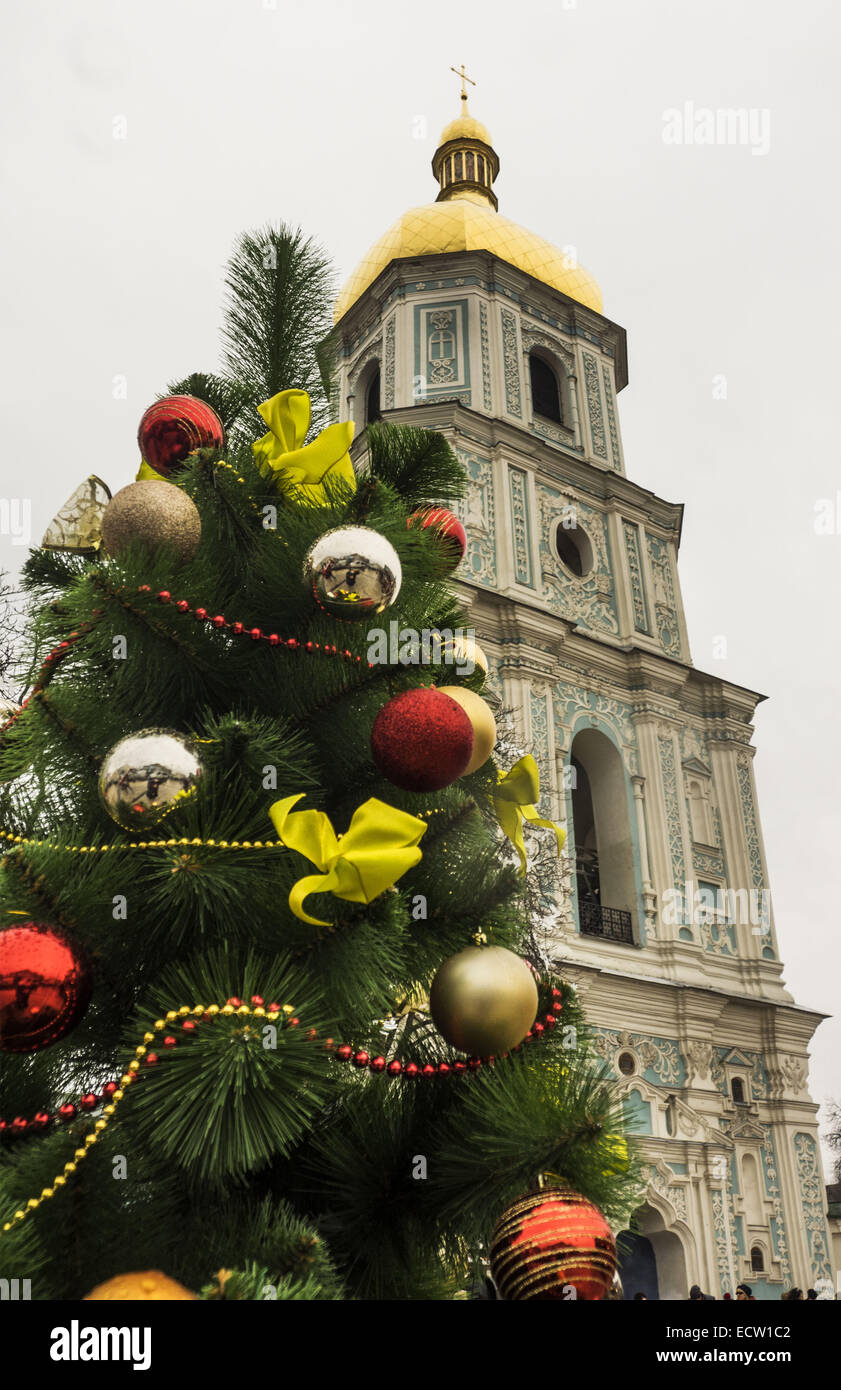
{"type": "Point", "coordinates": [146, 774]}
{"type": "Point", "coordinates": [354, 572]}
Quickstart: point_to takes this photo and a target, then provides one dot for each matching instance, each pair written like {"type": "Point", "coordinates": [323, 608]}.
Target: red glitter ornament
{"type": "Point", "coordinates": [45, 986]}
{"type": "Point", "coordinates": [172, 428]}
{"type": "Point", "coordinates": [447, 526]}
{"type": "Point", "coordinates": [422, 740]}
{"type": "Point", "coordinates": [551, 1243]}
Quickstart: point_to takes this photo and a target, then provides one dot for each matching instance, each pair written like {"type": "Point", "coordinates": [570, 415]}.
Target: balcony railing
{"type": "Point", "coordinates": [609, 922]}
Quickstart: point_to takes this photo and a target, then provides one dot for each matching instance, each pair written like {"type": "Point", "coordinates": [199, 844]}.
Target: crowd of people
{"type": "Point", "coordinates": [744, 1294]}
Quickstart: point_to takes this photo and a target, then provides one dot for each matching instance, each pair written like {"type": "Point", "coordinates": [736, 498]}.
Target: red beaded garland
{"type": "Point", "coordinates": [345, 1052]}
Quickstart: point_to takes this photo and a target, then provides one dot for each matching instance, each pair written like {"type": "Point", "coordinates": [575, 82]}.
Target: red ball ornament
{"type": "Point", "coordinates": [172, 428]}
{"type": "Point", "coordinates": [422, 740]}
{"type": "Point", "coordinates": [551, 1243]}
{"type": "Point", "coordinates": [447, 526]}
{"type": "Point", "coordinates": [45, 986]}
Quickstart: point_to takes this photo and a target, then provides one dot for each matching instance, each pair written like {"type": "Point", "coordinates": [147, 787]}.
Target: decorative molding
{"type": "Point", "coordinates": [442, 349]}
{"type": "Point", "coordinates": [594, 404]}
{"type": "Point", "coordinates": [572, 700]}
{"type": "Point", "coordinates": [741, 1057]}
{"type": "Point", "coordinates": [518, 484]}
{"type": "Point", "coordinates": [665, 606]}
{"type": "Point", "coordinates": [531, 339]}
{"type": "Point", "coordinates": [721, 1234]}
{"type": "Point", "coordinates": [660, 1060]}
{"type": "Point", "coordinates": [611, 418]}
{"type": "Point", "coordinates": [388, 374]}
{"type": "Point", "coordinates": [487, 398]}
{"type": "Point", "coordinates": [668, 770]}
{"type": "Point", "coordinates": [632, 552]}
{"type": "Point", "coordinates": [589, 600]}
{"type": "Point", "coordinates": [540, 744]}
{"type": "Point", "coordinates": [789, 1076]}
{"type": "Point", "coordinates": [749, 817]}
{"type": "Point", "coordinates": [477, 512]}
{"type": "Point", "coordinates": [812, 1203]}
{"type": "Point", "coordinates": [699, 1058]}
{"type": "Point", "coordinates": [661, 1180]}
{"type": "Point", "coordinates": [511, 363]}
{"type": "Point", "coordinates": [372, 352]}
{"type": "Point", "coordinates": [719, 938]}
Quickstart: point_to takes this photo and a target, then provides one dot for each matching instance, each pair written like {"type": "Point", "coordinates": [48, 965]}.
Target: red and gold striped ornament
{"type": "Point", "coordinates": [553, 1244]}
{"type": "Point", "coordinates": [173, 428]}
{"type": "Point", "coordinates": [447, 527]}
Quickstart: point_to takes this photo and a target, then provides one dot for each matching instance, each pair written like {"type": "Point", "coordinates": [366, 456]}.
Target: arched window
{"type": "Point", "coordinates": [604, 854]}
{"type": "Point", "coordinates": [545, 389]}
{"type": "Point", "coordinates": [757, 1260]}
{"type": "Point", "coordinates": [737, 1090]}
{"type": "Point", "coordinates": [372, 398]}
{"type": "Point", "coordinates": [469, 162]}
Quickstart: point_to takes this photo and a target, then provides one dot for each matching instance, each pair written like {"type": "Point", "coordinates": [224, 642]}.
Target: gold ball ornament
{"type": "Point", "coordinates": [483, 1000]}
{"type": "Point", "coordinates": [484, 724]}
{"type": "Point", "coordinates": [152, 514]}
{"type": "Point", "coordinates": [149, 1286]}
{"type": "Point", "coordinates": [465, 654]}
{"type": "Point", "coordinates": [553, 1244]}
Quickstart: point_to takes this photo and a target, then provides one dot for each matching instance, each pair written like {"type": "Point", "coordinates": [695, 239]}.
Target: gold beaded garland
{"type": "Point", "coordinates": [143, 844]}
{"type": "Point", "coordinates": [131, 1075]}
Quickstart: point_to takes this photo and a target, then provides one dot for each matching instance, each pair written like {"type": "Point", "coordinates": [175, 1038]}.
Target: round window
{"type": "Point", "coordinates": [574, 549]}
{"type": "Point", "coordinates": [627, 1065]}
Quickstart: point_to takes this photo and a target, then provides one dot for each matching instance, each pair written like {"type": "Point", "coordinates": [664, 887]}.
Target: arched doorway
{"type": "Point", "coordinates": [651, 1257]}
{"type": "Point", "coordinates": [637, 1266]}
{"type": "Point", "coordinates": [607, 891]}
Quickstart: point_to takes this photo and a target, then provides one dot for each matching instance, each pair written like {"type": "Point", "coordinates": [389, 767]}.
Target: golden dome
{"type": "Point", "coordinates": [459, 224]}
{"type": "Point", "coordinates": [465, 127]}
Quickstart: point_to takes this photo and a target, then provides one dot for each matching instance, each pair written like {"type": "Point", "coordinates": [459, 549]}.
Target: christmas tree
{"type": "Point", "coordinates": [270, 1019]}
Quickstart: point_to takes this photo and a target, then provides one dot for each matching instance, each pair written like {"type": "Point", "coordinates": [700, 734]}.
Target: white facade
{"type": "Point", "coordinates": [596, 667]}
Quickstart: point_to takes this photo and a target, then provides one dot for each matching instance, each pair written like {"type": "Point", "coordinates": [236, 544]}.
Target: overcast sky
{"type": "Point", "coordinates": [139, 138]}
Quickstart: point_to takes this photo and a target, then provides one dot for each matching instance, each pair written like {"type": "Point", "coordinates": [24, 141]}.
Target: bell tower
{"type": "Point", "coordinates": [660, 913]}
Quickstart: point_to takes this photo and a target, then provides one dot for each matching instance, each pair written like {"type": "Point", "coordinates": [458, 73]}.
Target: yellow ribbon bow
{"type": "Point", "coordinates": [146, 471]}
{"type": "Point", "coordinates": [297, 467]}
{"type": "Point", "coordinates": [516, 792]}
{"type": "Point", "coordinates": [379, 845]}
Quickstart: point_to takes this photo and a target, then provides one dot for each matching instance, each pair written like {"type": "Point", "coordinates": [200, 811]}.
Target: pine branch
{"type": "Point", "coordinates": [277, 316]}
{"type": "Point", "coordinates": [418, 464]}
